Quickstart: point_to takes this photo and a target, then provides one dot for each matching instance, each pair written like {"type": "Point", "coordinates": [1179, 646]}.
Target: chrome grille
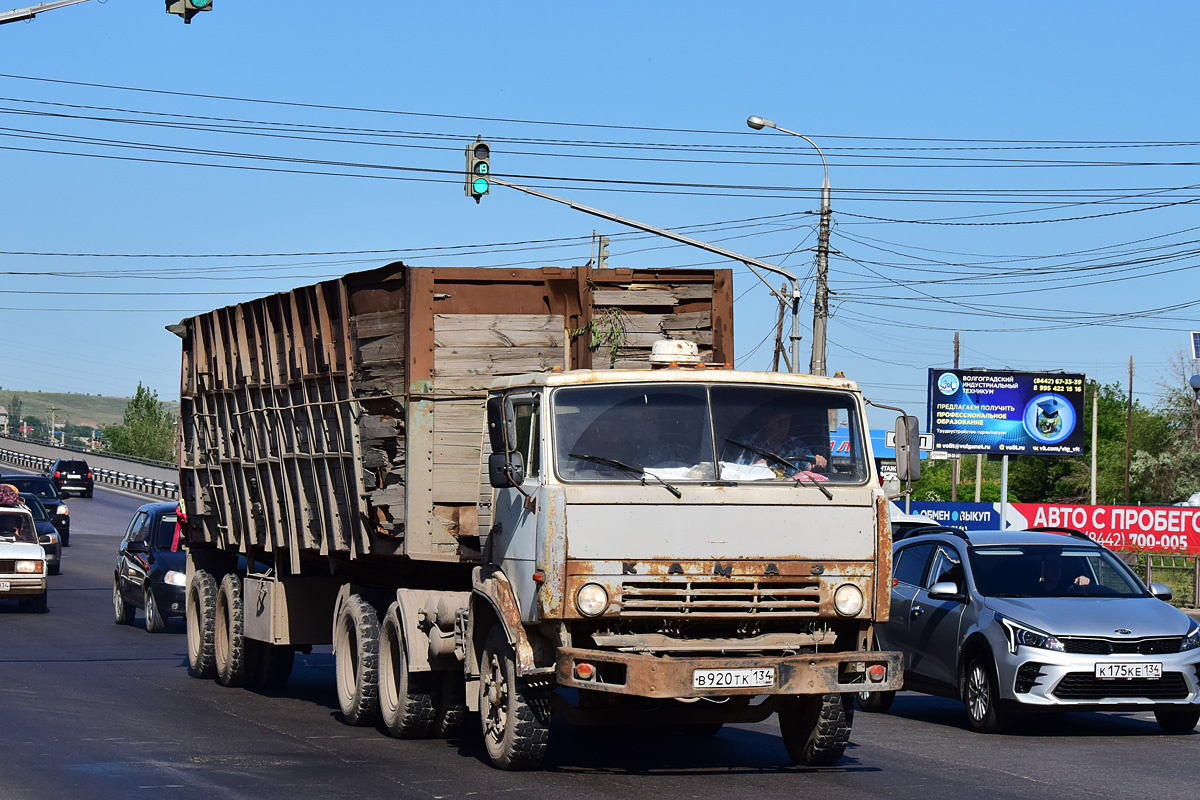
{"type": "Point", "coordinates": [1103, 647]}
{"type": "Point", "coordinates": [720, 598]}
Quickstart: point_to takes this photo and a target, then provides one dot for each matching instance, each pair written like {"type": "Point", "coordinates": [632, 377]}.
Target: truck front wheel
{"type": "Point", "coordinates": [816, 728]}
{"type": "Point", "coordinates": [515, 715]}
{"type": "Point", "coordinates": [201, 624]}
{"type": "Point", "coordinates": [406, 702]}
{"type": "Point", "coordinates": [356, 661]}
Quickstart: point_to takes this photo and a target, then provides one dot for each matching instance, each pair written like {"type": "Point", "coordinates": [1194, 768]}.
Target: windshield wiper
{"type": "Point", "coordinates": [621, 465]}
{"type": "Point", "coordinates": [781, 460]}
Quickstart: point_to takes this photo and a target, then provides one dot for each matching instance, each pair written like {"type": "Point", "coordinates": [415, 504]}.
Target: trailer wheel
{"type": "Point", "coordinates": [515, 716]}
{"type": "Point", "coordinates": [816, 728]}
{"type": "Point", "coordinates": [270, 663]}
{"type": "Point", "coordinates": [201, 624]}
{"type": "Point", "coordinates": [451, 705]}
{"type": "Point", "coordinates": [232, 654]}
{"type": "Point", "coordinates": [356, 657]}
{"type": "Point", "coordinates": [406, 701]}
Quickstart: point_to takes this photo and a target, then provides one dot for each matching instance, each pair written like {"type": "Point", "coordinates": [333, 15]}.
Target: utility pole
{"type": "Point", "coordinates": [1128, 429]}
{"type": "Point", "coordinates": [779, 338]}
{"type": "Point", "coordinates": [53, 409]}
{"type": "Point", "coordinates": [956, 461]}
{"type": "Point", "coordinates": [1095, 431]}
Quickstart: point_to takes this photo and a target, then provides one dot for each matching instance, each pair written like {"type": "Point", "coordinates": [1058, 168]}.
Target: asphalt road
{"type": "Point", "coordinates": [89, 709]}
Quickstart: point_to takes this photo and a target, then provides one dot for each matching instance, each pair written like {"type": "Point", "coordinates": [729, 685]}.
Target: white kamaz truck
{"type": "Point", "coordinates": [476, 486]}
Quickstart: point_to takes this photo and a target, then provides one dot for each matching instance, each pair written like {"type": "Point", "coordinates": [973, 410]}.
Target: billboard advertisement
{"type": "Point", "coordinates": [1145, 529]}
{"type": "Point", "coordinates": [1005, 412]}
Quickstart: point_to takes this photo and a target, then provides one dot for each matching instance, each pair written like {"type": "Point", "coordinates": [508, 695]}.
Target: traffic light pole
{"type": "Point", "coordinates": [752, 263]}
{"type": "Point", "coordinates": [22, 14]}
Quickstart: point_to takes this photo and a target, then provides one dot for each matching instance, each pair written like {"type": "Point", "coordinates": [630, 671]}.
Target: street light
{"type": "Point", "coordinates": [1194, 382]}
{"type": "Point", "coordinates": [821, 301]}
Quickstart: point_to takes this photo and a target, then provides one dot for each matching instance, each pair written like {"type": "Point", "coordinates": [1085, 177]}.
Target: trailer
{"type": "Point", "coordinates": [525, 494]}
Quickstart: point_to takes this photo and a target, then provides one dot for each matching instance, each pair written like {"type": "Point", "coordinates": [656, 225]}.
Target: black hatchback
{"type": "Point", "coordinates": [151, 568]}
{"type": "Point", "coordinates": [72, 476]}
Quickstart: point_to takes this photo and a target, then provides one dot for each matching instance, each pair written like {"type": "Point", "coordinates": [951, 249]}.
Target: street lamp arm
{"type": "Point", "coordinates": [749, 261]}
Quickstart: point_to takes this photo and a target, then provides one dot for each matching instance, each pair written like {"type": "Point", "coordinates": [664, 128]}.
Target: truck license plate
{"type": "Point", "coordinates": [1138, 669]}
{"type": "Point", "coordinates": [5, 586]}
{"type": "Point", "coordinates": [733, 678]}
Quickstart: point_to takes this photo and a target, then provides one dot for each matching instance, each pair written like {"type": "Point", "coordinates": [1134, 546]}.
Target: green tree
{"type": "Point", "coordinates": [16, 407]}
{"type": "Point", "coordinates": [148, 431]}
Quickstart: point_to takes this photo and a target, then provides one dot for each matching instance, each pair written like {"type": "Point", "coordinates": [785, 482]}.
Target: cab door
{"type": "Point", "coordinates": [512, 541]}
{"type": "Point", "coordinates": [936, 624]}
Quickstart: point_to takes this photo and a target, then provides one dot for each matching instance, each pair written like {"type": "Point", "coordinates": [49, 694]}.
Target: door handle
{"type": "Point", "coordinates": [917, 611]}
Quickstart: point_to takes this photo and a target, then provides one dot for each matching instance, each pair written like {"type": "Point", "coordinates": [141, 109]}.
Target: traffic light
{"type": "Point", "coordinates": [602, 253]}
{"type": "Point", "coordinates": [188, 8]}
{"type": "Point", "coordinates": [479, 168]}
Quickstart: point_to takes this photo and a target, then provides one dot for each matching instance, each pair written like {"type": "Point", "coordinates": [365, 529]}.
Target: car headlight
{"type": "Point", "coordinates": [63, 511]}
{"type": "Point", "coordinates": [29, 567]}
{"type": "Point", "coordinates": [1192, 640]}
{"type": "Point", "coordinates": [592, 600]}
{"type": "Point", "coordinates": [848, 600]}
{"type": "Point", "coordinates": [174, 578]}
{"type": "Point", "coordinates": [1018, 634]}
{"type": "Point", "coordinates": [48, 538]}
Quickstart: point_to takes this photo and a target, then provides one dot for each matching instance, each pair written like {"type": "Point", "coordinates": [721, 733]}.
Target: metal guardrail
{"type": "Point", "coordinates": [123, 480]}
{"type": "Point", "coordinates": [85, 452]}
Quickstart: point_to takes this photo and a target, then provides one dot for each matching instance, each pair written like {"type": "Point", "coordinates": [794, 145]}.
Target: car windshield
{"type": "Point", "coordinates": [706, 432]}
{"type": "Point", "coordinates": [1051, 571]}
{"type": "Point", "coordinates": [164, 536]}
{"type": "Point", "coordinates": [73, 466]}
{"type": "Point", "coordinates": [41, 488]}
{"type": "Point", "coordinates": [36, 509]}
{"type": "Point", "coordinates": [17, 527]}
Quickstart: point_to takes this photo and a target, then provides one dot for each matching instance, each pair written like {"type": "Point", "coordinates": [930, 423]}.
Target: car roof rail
{"type": "Point", "coordinates": [928, 529]}
{"type": "Point", "coordinates": [1078, 534]}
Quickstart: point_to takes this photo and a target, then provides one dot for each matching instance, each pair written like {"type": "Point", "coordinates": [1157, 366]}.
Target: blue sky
{"type": "Point", "coordinates": [939, 121]}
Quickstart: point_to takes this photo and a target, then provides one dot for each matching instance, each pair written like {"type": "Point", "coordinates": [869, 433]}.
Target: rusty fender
{"type": "Point", "coordinates": [667, 677]}
{"type": "Point", "coordinates": [493, 586]}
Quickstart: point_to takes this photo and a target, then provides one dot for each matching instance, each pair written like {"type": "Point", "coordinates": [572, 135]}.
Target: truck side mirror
{"type": "Point", "coordinates": [506, 470]}
{"type": "Point", "coordinates": [502, 423]}
{"type": "Point", "coordinates": [908, 448]}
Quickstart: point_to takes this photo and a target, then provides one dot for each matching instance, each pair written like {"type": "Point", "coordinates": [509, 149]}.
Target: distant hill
{"type": "Point", "coordinates": [78, 409]}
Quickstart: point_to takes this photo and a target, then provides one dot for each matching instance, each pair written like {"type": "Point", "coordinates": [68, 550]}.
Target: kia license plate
{"type": "Point", "coordinates": [1151, 670]}
{"type": "Point", "coordinates": [750, 677]}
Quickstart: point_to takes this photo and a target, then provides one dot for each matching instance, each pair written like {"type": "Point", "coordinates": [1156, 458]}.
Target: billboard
{"type": "Point", "coordinates": [1005, 412]}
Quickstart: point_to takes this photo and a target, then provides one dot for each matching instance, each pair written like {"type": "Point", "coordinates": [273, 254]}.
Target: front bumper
{"type": "Point", "coordinates": [669, 676]}
{"type": "Point", "coordinates": [22, 585]}
{"type": "Point", "coordinates": [1050, 679]}
{"type": "Point", "coordinates": [171, 599]}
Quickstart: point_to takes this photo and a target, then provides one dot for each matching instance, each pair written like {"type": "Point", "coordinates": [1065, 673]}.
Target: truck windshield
{"type": "Point", "coordinates": [707, 432]}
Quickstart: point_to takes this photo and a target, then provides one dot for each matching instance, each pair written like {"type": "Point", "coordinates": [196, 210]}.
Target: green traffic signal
{"type": "Point", "coordinates": [478, 167]}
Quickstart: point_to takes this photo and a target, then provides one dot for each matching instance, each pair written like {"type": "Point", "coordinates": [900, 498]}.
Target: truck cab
{"type": "Point", "coordinates": [692, 533]}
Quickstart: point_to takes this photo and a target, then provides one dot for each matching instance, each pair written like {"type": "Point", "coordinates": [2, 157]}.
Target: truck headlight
{"type": "Point", "coordinates": [848, 600]}
{"type": "Point", "coordinates": [592, 600]}
{"type": "Point", "coordinates": [173, 578]}
{"type": "Point", "coordinates": [29, 566]}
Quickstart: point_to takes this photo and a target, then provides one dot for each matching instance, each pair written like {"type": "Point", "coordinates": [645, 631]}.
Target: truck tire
{"type": "Point", "coordinates": [272, 664]}
{"type": "Point", "coordinates": [201, 612]}
{"type": "Point", "coordinates": [356, 661]}
{"type": "Point", "coordinates": [406, 699]}
{"type": "Point", "coordinates": [451, 712]}
{"type": "Point", "coordinates": [122, 611]}
{"type": "Point", "coordinates": [155, 621]}
{"type": "Point", "coordinates": [816, 728]}
{"type": "Point", "coordinates": [232, 655]}
{"type": "Point", "coordinates": [514, 715]}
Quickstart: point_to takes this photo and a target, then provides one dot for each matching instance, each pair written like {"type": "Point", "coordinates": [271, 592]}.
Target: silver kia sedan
{"type": "Point", "coordinates": [1029, 621]}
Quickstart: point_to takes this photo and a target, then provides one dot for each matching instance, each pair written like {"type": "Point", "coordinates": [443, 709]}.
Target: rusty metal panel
{"type": "Point", "coordinates": [883, 561]}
